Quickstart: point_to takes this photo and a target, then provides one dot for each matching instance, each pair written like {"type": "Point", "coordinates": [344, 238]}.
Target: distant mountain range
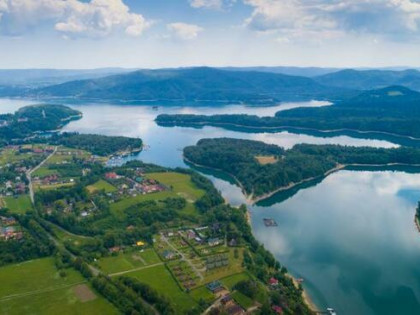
{"type": "Point", "coordinates": [253, 85]}
{"type": "Point", "coordinates": [44, 77]}
{"type": "Point", "coordinates": [194, 84]}
{"type": "Point", "coordinates": [371, 79]}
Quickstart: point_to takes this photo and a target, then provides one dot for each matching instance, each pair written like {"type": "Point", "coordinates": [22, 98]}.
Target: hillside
{"type": "Point", "coordinates": [193, 84]}
{"type": "Point", "coordinates": [371, 79]}
{"type": "Point", "coordinates": [394, 110]}
{"type": "Point", "coordinates": [32, 119]}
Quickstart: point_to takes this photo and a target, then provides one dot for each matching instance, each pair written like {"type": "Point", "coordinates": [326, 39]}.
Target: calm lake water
{"type": "Point", "coordinates": [350, 236]}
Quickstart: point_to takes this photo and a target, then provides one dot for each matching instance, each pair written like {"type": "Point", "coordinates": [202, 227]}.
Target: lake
{"type": "Point", "coordinates": [351, 236]}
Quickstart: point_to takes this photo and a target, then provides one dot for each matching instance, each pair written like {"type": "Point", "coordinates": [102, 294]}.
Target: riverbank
{"type": "Point", "coordinates": [417, 222]}
{"type": "Point", "coordinates": [306, 298]}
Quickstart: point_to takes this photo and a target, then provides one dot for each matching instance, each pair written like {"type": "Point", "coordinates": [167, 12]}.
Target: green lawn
{"type": "Point", "coordinates": [244, 301]}
{"type": "Point", "coordinates": [161, 280]}
{"type": "Point", "coordinates": [128, 261]}
{"type": "Point", "coordinates": [35, 287]}
{"type": "Point", "coordinates": [180, 183]}
{"type": "Point", "coordinates": [18, 205]}
{"type": "Point", "coordinates": [44, 172]}
{"type": "Point", "coordinates": [101, 185]}
{"type": "Point", "coordinates": [231, 281]}
{"type": "Point", "coordinates": [118, 207]}
{"type": "Point", "coordinates": [202, 293]}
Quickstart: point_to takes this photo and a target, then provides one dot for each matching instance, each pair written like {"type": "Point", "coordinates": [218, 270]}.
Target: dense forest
{"type": "Point", "coordinates": [98, 144]}
{"type": "Point", "coordinates": [262, 168]}
{"type": "Point", "coordinates": [32, 119]}
{"type": "Point", "coordinates": [393, 110]}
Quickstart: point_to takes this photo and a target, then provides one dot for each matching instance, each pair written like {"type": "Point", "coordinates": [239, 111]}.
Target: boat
{"type": "Point", "coordinates": [269, 222]}
{"type": "Point", "coordinates": [331, 311]}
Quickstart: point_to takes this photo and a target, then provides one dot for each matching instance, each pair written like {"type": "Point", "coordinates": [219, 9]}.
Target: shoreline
{"type": "Point", "coordinates": [305, 295]}
{"type": "Point", "coordinates": [253, 200]}
{"type": "Point", "coordinates": [417, 222]}
{"type": "Point", "coordinates": [217, 124]}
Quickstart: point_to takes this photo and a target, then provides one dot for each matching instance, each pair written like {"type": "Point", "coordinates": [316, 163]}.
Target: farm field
{"type": "Point", "coordinates": [35, 287]}
{"type": "Point", "coordinates": [161, 280]}
{"type": "Point", "coordinates": [128, 261]}
{"type": "Point", "coordinates": [18, 205]}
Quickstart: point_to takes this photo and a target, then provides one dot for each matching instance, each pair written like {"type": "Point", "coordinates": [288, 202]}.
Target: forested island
{"type": "Point", "coordinates": [29, 120]}
{"type": "Point", "coordinates": [262, 169]}
{"type": "Point", "coordinates": [393, 110]}
{"type": "Point", "coordinates": [98, 144]}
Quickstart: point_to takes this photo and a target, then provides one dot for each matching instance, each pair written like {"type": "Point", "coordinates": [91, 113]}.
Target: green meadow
{"type": "Point", "coordinates": [18, 205]}
{"type": "Point", "coordinates": [35, 287]}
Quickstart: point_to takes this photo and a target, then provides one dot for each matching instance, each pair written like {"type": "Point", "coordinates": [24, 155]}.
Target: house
{"type": "Point", "coordinates": [115, 249]}
{"type": "Point", "coordinates": [273, 282]}
{"type": "Point", "coordinates": [215, 287]}
{"type": "Point", "coordinates": [191, 234]}
{"type": "Point", "coordinates": [235, 310]}
{"type": "Point", "coordinates": [214, 242]}
{"type": "Point", "coordinates": [277, 309]}
{"type": "Point", "coordinates": [167, 254]}
{"type": "Point", "coordinates": [233, 242]}
{"type": "Point", "coordinates": [111, 175]}
{"type": "Point", "coordinates": [226, 299]}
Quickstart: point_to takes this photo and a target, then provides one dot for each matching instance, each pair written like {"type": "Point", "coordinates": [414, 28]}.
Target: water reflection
{"type": "Point", "coordinates": [352, 237]}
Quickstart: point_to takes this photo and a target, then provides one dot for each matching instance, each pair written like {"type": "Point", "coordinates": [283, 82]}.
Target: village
{"type": "Point", "coordinates": [133, 185]}
{"type": "Point", "coordinates": [10, 229]}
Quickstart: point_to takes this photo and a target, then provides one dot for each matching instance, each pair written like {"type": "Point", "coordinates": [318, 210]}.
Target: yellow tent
{"type": "Point", "coordinates": [140, 243]}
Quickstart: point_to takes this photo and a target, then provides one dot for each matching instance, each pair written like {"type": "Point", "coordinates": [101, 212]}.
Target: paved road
{"type": "Point", "coordinates": [29, 174]}
{"type": "Point", "coordinates": [136, 269]}
{"type": "Point", "coordinates": [184, 258]}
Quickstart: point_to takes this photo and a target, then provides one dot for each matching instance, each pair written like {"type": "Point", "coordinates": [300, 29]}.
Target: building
{"type": "Point", "coordinates": [214, 242]}
{"type": "Point", "coordinates": [277, 309]}
{"type": "Point", "coordinates": [168, 255]}
{"type": "Point", "coordinates": [273, 282]}
{"type": "Point", "coordinates": [111, 175]}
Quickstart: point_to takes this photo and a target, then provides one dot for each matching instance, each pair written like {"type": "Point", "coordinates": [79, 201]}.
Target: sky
{"type": "Point", "coordinates": [76, 34]}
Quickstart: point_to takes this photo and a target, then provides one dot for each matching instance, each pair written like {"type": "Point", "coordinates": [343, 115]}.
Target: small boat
{"type": "Point", "coordinates": [155, 107]}
{"type": "Point", "coordinates": [269, 222]}
{"type": "Point", "coordinates": [331, 311]}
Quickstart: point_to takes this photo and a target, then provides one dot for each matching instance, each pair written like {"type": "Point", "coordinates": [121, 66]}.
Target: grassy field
{"type": "Point", "coordinates": [18, 205]}
{"type": "Point", "coordinates": [128, 261]}
{"type": "Point", "coordinates": [44, 172]}
{"type": "Point", "coordinates": [244, 301]}
{"type": "Point", "coordinates": [64, 236]}
{"type": "Point", "coordinates": [10, 156]}
{"type": "Point", "coordinates": [231, 281]}
{"type": "Point", "coordinates": [179, 183]}
{"type": "Point", "coordinates": [161, 280]}
{"type": "Point", "coordinates": [101, 185]}
{"type": "Point", "coordinates": [202, 293]}
{"type": "Point", "coordinates": [35, 287]}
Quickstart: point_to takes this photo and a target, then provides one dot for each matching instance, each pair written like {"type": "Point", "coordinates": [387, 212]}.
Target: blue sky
{"type": "Point", "coordinates": [172, 33]}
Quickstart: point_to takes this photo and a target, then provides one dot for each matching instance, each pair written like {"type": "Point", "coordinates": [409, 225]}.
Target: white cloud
{"type": "Point", "coordinates": [184, 31]}
{"type": "Point", "coordinates": [329, 19]}
{"type": "Point", "coordinates": [96, 18]}
{"type": "Point", "coordinates": [211, 4]}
